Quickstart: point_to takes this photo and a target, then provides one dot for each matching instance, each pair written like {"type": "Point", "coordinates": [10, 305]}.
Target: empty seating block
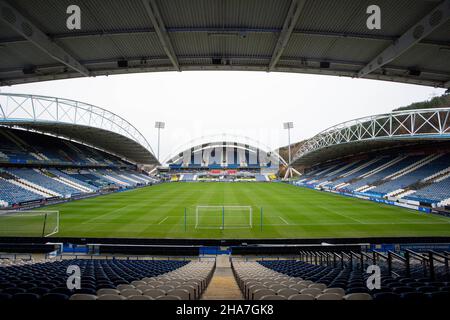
{"type": "Point", "coordinates": [99, 278]}
{"type": "Point", "coordinates": [260, 283]}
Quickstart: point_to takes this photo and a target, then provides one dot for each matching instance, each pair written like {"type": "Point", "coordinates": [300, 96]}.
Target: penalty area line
{"type": "Point", "coordinates": [283, 220]}
{"type": "Point", "coordinates": [162, 221]}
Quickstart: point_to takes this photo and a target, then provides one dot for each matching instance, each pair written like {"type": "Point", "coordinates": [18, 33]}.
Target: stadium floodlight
{"type": "Point", "coordinates": [288, 126]}
{"type": "Point", "coordinates": [159, 125]}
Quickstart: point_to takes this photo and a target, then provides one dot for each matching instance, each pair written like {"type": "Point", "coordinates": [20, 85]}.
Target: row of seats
{"type": "Point", "coordinates": [354, 281]}
{"type": "Point", "coordinates": [47, 280]}
{"type": "Point", "coordinates": [433, 193]}
{"type": "Point", "coordinates": [25, 147]}
{"type": "Point", "coordinates": [377, 175]}
{"type": "Point", "coordinates": [11, 193]}
{"type": "Point", "coordinates": [37, 177]}
{"type": "Point", "coordinates": [260, 283]}
{"type": "Point", "coordinates": [406, 180]}
{"type": "Point", "coordinates": [65, 183]}
{"type": "Point", "coordinates": [4, 262]}
{"type": "Point", "coordinates": [185, 283]}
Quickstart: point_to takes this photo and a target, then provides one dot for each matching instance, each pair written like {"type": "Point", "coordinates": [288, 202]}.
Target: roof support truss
{"type": "Point", "coordinates": [288, 27]}
{"type": "Point", "coordinates": [415, 34]}
{"type": "Point", "coordinates": [155, 16]}
{"type": "Point", "coordinates": [429, 123]}
{"type": "Point", "coordinates": [13, 18]}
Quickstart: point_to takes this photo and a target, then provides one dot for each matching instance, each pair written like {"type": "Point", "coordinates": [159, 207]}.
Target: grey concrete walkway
{"type": "Point", "coordinates": [223, 285]}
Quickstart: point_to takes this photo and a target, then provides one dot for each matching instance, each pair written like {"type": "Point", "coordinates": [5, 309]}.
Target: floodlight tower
{"type": "Point", "coordinates": [289, 170]}
{"type": "Point", "coordinates": [159, 125]}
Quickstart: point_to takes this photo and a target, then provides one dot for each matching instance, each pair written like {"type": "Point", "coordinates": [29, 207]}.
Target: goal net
{"type": "Point", "coordinates": [29, 223]}
{"type": "Point", "coordinates": [223, 217]}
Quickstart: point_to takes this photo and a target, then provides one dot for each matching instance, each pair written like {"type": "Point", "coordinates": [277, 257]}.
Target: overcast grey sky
{"type": "Point", "coordinates": [254, 104]}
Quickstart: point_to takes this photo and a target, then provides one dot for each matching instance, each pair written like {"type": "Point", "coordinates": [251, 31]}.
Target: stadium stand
{"type": "Point", "coordinates": [317, 273]}
{"type": "Point", "coordinates": [17, 281]}
{"type": "Point", "coordinates": [77, 182]}
{"type": "Point", "coordinates": [336, 275]}
{"type": "Point", "coordinates": [422, 178]}
{"type": "Point", "coordinates": [11, 193]}
{"type": "Point", "coordinates": [354, 281]}
{"type": "Point", "coordinates": [25, 147]}
{"type": "Point", "coordinates": [436, 192]}
{"type": "Point", "coordinates": [258, 281]}
{"type": "Point", "coordinates": [223, 161]}
{"type": "Point", "coordinates": [36, 168]}
{"type": "Point", "coordinates": [39, 178]}
{"type": "Point", "coordinates": [104, 279]}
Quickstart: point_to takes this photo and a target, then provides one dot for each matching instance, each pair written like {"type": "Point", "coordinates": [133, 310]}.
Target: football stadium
{"type": "Point", "coordinates": [358, 211]}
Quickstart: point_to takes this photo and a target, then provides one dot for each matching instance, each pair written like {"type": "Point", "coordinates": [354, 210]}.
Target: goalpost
{"type": "Point", "coordinates": [223, 217]}
{"type": "Point", "coordinates": [33, 223]}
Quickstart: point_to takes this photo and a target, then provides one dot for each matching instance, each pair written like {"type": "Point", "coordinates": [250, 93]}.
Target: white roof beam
{"type": "Point", "coordinates": [437, 17]}
{"type": "Point", "coordinates": [14, 19]}
{"type": "Point", "coordinates": [155, 16]}
{"type": "Point", "coordinates": [288, 27]}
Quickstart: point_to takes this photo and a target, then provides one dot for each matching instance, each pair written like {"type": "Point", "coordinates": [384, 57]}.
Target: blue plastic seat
{"type": "Point", "coordinates": [25, 297]}
{"type": "Point", "coordinates": [386, 296]}
{"type": "Point", "coordinates": [426, 289]}
{"type": "Point", "coordinates": [55, 297]}
{"type": "Point", "coordinates": [439, 296]}
{"type": "Point", "coordinates": [5, 296]}
{"type": "Point", "coordinates": [400, 290]}
{"type": "Point", "coordinates": [413, 296]}
{"type": "Point", "coordinates": [13, 291]}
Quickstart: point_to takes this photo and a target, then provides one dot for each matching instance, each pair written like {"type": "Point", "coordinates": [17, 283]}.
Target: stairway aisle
{"type": "Point", "coordinates": [223, 285]}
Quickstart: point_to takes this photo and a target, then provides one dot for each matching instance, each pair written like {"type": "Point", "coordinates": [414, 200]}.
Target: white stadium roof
{"type": "Point", "coordinates": [223, 140]}
{"type": "Point", "coordinates": [77, 121]}
{"type": "Point", "coordinates": [377, 132]}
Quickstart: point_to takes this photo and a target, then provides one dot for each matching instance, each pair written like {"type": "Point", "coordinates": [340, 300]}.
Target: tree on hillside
{"type": "Point", "coordinates": [436, 102]}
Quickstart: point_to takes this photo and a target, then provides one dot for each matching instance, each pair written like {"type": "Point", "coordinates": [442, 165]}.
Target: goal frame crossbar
{"type": "Point", "coordinates": [223, 210]}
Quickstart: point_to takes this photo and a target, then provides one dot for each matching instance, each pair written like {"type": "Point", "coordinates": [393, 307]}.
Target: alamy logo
{"type": "Point", "coordinates": [73, 22]}
{"type": "Point", "coordinates": [374, 20]}
{"type": "Point", "coordinates": [74, 280]}
{"type": "Point", "coordinates": [374, 280]}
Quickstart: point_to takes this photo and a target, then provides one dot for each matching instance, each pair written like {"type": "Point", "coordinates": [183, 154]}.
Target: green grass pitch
{"type": "Point", "coordinates": [288, 212]}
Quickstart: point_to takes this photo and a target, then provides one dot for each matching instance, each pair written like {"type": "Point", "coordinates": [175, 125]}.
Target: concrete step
{"type": "Point", "coordinates": [223, 285]}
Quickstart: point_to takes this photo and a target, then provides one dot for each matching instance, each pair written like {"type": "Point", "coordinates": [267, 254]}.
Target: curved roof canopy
{"type": "Point", "coordinates": [304, 36]}
{"type": "Point", "coordinates": [76, 121]}
{"type": "Point", "coordinates": [227, 141]}
{"type": "Point", "coordinates": [375, 132]}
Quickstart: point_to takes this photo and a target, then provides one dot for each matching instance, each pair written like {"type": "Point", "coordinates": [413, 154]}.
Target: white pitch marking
{"type": "Point", "coordinates": [283, 220]}
{"type": "Point", "coordinates": [163, 220]}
